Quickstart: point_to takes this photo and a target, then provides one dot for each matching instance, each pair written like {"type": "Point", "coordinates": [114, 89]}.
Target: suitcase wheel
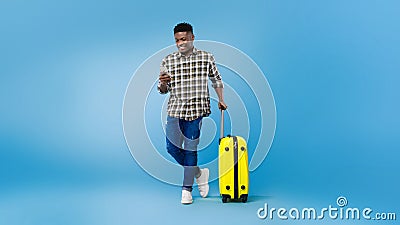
{"type": "Point", "coordinates": [243, 198]}
{"type": "Point", "coordinates": [225, 198]}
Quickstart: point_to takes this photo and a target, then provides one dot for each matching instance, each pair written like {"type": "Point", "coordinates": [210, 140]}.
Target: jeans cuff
{"type": "Point", "coordinates": [187, 188]}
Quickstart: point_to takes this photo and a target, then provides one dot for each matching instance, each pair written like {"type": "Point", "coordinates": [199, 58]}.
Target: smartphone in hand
{"type": "Point", "coordinates": [164, 75]}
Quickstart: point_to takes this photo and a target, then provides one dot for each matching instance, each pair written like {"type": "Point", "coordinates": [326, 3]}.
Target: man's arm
{"type": "Point", "coordinates": [220, 93]}
{"type": "Point", "coordinates": [217, 83]}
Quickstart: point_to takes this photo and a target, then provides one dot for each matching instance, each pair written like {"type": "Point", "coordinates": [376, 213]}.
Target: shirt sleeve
{"type": "Point", "coordinates": [214, 74]}
{"type": "Point", "coordinates": [162, 67]}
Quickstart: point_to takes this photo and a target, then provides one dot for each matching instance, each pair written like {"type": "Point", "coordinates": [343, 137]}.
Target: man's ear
{"type": "Point", "coordinates": [192, 37]}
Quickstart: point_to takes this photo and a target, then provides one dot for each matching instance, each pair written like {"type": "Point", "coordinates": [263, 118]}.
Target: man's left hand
{"type": "Point", "coordinates": [222, 105]}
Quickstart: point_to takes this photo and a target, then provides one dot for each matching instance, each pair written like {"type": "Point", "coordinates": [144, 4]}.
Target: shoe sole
{"type": "Point", "coordinates": [187, 203]}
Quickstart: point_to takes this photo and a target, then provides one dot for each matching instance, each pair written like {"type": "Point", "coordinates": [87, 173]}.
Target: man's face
{"type": "Point", "coordinates": [184, 41]}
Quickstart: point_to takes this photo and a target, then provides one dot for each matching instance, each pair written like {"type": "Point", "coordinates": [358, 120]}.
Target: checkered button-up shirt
{"type": "Point", "coordinates": [189, 95]}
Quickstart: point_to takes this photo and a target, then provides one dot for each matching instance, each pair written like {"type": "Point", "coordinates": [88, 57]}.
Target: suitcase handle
{"type": "Point", "coordinates": [222, 125]}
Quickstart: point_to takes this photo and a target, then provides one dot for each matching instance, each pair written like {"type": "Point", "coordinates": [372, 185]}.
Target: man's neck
{"type": "Point", "coordinates": [186, 54]}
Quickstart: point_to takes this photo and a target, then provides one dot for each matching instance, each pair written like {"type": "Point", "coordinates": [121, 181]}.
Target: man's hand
{"type": "Point", "coordinates": [222, 105]}
{"type": "Point", "coordinates": [164, 78]}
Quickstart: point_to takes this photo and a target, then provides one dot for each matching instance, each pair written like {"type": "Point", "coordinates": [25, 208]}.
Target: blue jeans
{"type": "Point", "coordinates": [178, 132]}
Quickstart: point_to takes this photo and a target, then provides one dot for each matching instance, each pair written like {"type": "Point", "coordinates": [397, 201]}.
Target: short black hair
{"type": "Point", "coordinates": [183, 27]}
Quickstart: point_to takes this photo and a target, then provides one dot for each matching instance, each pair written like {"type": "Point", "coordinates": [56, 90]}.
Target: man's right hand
{"type": "Point", "coordinates": [164, 78]}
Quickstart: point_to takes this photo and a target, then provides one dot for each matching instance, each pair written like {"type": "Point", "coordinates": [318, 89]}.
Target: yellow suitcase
{"type": "Point", "coordinates": [233, 167]}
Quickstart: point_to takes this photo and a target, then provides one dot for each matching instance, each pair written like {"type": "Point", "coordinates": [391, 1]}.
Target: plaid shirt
{"type": "Point", "coordinates": [189, 96]}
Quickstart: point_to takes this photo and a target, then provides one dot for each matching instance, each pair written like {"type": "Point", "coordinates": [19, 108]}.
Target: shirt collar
{"type": "Point", "coordinates": [179, 54]}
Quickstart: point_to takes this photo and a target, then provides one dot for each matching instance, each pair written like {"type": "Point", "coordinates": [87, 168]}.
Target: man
{"type": "Point", "coordinates": [184, 74]}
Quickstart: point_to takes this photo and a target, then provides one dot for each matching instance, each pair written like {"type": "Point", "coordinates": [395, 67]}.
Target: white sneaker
{"type": "Point", "coordinates": [186, 197]}
{"type": "Point", "coordinates": [202, 182]}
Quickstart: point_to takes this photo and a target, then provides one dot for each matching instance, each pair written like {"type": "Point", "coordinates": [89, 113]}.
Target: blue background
{"type": "Point", "coordinates": [333, 67]}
